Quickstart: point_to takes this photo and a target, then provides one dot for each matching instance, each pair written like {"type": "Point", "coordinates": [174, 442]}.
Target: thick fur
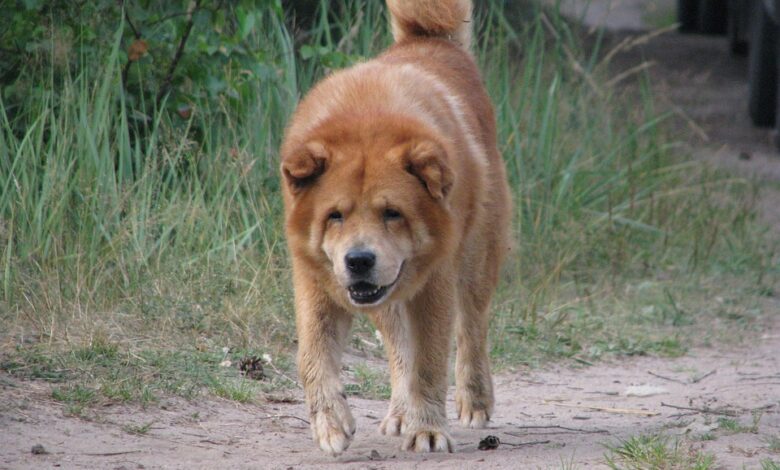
{"type": "Point", "coordinates": [445, 19]}
{"type": "Point", "coordinates": [397, 157]}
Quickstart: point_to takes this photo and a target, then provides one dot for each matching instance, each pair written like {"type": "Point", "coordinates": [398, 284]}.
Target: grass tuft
{"type": "Point", "coordinates": [769, 464]}
{"type": "Point", "coordinates": [657, 452]}
{"type": "Point", "coordinates": [369, 383]}
{"type": "Point", "coordinates": [138, 429]}
{"type": "Point", "coordinates": [75, 397]}
{"type": "Point", "coordinates": [773, 443]}
{"type": "Point", "coordinates": [732, 426]}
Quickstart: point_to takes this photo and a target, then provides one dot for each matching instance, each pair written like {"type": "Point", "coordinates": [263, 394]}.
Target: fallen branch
{"type": "Point", "coordinates": [285, 416]}
{"type": "Point", "coordinates": [565, 428]}
{"type": "Point", "coordinates": [111, 454]}
{"type": "Point", "coordinates": [700, 378]}
{"type": "Point", "coordinates": [665, 378]}
{"type": "Point", "coordinates": [627, 411]}
{"type": "Point", "coordinates": [754, 384]}
{"type": "Point", "coordinates": [763, 408]}
{"type": "Point", "coordinates": [761, 377]}
{"type": "Point", "coordinates": [216, 443]}
{"type": "Point", "coordinates": [702, 410]}
{"type": "Point", "coordinates": [521, 444]}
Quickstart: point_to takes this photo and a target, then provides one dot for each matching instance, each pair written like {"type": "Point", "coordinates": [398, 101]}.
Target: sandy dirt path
{"type": "Point", "coordinates": [544, 418]}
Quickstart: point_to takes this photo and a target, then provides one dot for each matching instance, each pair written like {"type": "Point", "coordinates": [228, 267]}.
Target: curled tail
{"type": "Point", "coordinates": [432, 18]}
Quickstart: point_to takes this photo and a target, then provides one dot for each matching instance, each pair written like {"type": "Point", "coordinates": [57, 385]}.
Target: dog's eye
{"type": "Point", "coordinates": [335, 216]}
{"type": "Point", "coordinates": [391, 214]}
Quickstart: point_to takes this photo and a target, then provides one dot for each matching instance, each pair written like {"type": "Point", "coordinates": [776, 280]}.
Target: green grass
{"type": "Point", "coordinates": [369, 383]}
{"type": "Point", "coordinates": [104, 371]}
{"type": "Point", "coordinates": [773, 443]}
{"type": "Point", "coordinates": [769, 464]}
{"type": "Point", "coordinates": [733, 426]}
{"type": "Point", "coordinates": [657, 452]}
{"type": "Point", "coordinates": [568, 464]}
{"type": "Point", "coordinates": [138, 429]}
{"type": "Point", "coordinates": [707, 436]}
{"type": "Point", "coordinates": [730, 425]}
{"type": "Point", "coordinates": [133, 250]}
{"type": "Point", "coordinates": [75, 397]}
{"type": "Point", "coordinates": [234, 389]}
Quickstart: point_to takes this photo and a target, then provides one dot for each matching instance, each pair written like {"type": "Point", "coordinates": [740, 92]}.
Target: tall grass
{"type": "Point", "coordinates": [140, 228]}
{"type": "Point", "coordinates": [98, 200]}
{"type": "Point", "coordinates": [598, 183]}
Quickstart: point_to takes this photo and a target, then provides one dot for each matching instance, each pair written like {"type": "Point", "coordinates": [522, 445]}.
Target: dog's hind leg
{"type": "Point", "coordinates": [474, 385]}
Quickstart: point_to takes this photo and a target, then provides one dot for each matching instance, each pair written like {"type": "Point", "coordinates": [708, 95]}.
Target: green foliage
{"type": "Point", "coordinates": [369, 383]}
{"type": "Point", "coordinates": [656, 452]}
{"type": "Point", "coordinates": [105, 370]}
{"type": "Point", "coordinates": [769, 464]}
{"type": "Point", "coordinates": [733, 426]}
{"type": "Point", "coordinates": [202, 51]}
{"type": "Point", "coordinates": [75, 397]}
{"type": "Point", "coordinates": [773, 443]}
{"type": "Point", "coordinates": [138, 429]}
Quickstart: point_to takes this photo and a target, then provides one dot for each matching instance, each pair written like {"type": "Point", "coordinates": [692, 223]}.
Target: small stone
{"type": "Point", "coordinates": [38, 449]}
{"type": "Point", "coordinates": [374, 455]}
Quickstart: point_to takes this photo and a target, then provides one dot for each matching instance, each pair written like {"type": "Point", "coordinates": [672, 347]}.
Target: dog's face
{"type": "Point", "coordinates": [370, 214]}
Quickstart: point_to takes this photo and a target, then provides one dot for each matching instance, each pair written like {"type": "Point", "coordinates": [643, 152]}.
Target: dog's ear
{"type": "Point", "coordinates": [303, 166]}
{"type": "Point", "coordinates": [427, 160]}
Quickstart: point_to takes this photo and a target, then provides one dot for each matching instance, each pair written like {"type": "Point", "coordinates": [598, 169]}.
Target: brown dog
{"type": "Point", "coordinates": [397, 206]}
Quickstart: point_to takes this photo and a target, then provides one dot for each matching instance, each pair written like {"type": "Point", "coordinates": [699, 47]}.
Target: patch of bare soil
{"type": "Point", "coordinates": [543, 418]}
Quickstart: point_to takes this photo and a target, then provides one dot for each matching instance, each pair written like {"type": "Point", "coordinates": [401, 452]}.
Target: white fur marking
{"type": "Point", "coordinates": [455, 107]}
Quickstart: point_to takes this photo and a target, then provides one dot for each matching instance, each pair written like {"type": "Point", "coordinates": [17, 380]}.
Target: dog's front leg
{"type": "Point", "coordinates": [417, 337]}
{"type": "Point", "coordinates": [322, 330]}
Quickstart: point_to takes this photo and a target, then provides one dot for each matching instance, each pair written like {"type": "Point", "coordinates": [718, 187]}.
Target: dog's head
{"type": "Point", "coordinates": [368, 210]}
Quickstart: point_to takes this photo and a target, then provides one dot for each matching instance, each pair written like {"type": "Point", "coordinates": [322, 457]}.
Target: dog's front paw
{"type": "Point", "coordinates": [393, 424]}
{"type": "Point", "coordinates": [333, 427]}
{"type": "Point", "coordinates": [472, 413]}
{"type": "Point", "coordinates": [395, 421]}
{"type": "Point", "coordinates": [432, 440]}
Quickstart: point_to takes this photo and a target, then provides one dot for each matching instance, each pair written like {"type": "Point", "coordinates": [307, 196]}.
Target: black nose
{"type": "Point", "coordinates": [360, 261]}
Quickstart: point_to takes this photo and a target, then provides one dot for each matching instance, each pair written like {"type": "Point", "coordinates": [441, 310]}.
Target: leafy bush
{"type": "Point", "coordinates": [197, 50]}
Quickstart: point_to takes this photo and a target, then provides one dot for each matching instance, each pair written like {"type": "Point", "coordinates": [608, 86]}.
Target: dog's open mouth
{"type": "Point", "coordinates": [366, 293]}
